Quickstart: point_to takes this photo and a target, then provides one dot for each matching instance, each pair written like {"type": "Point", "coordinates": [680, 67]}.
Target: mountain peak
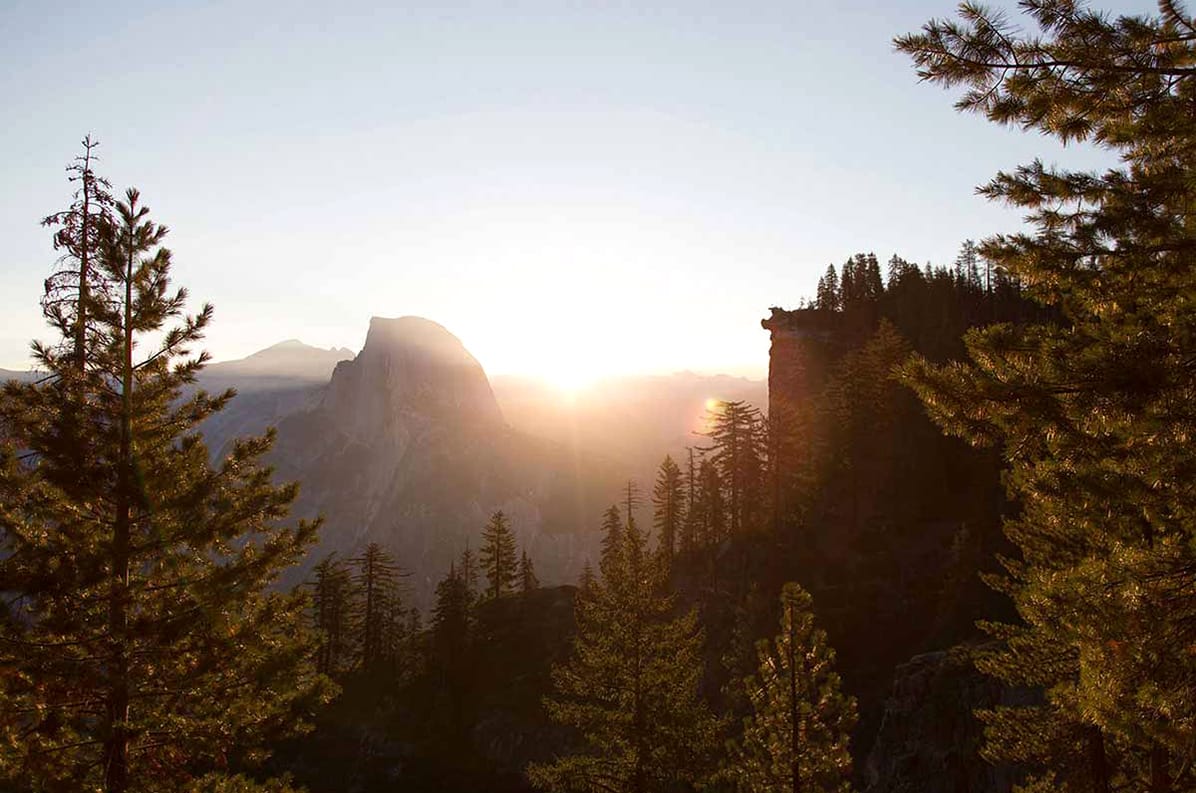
{"type": "Point", "coordinates": [411, 331]}
{"type": "Point", "coordinates": [290, 359]}
{"type": "Point", "coordinates": [410, 368]}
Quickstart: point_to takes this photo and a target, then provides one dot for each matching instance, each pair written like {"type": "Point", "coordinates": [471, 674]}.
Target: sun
{"type": "Point", "coordinates": [570, 380]}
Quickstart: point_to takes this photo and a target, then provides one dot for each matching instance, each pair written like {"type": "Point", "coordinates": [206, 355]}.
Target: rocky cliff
{"type": "Point", "coordinates": [411, 375]}
{"type": "Point", "coordinates": [407, 447]}
{"type": "Point", "coordinates": [929, 740]}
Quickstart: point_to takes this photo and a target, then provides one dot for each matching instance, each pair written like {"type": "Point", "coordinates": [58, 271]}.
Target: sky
{"type": "Point", "coordinates": [574, 189]}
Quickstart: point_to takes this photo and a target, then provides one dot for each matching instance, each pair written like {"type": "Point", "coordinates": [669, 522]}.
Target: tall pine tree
{"type": "Point", "coordinates": [668, 510]}
{"type": "Point", "coordinates": [377, 606]}
{"type": "Point", "coordinates": [145, 642]}
{"type": "Point", "coordinates": [499, 562]}
{"type": "Point", "coordinates": [737, 445]}
{"type": "Point", "coordinates": [796, 737]}
{"type": "Point", "coordinates": [527, 574]}
{"type": "Point", "coordinates": [332, 591]}
{"type": "Point", "coordinates": [631, 688]}
{"type": "Point", "coordinates": [1095, 414]}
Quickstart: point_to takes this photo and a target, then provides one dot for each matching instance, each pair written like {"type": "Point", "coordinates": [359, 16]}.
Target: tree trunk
{"type": "Point", "coordinates": [1160, 774]}
{"type": "Point", "coordinates": [1100, 766]}
{"type": "Point", "coordinates": [116, 761]}
{"type": "Point", "coordinates": [794, 708]}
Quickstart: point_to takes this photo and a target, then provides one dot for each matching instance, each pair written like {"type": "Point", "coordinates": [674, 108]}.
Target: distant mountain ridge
{"type": "Point", "coordinates": [289, 360]}
{"type": "Point", "coordinates": [8, 374]}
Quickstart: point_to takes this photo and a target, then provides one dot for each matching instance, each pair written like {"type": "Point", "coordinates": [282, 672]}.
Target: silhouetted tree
{"type": "Point", "coordinates": [467, 569]}
{"type": "Point", "coordinates": [613, 532]}
{"type": "Point", "coordinates": [828, 290]}
{"type": "Point", "coordinates": [527, 574]}
{"type": "Point", "coordinates": [737, 448]}
{"type": "Point", "coordinates": [498, 556]}
{"type": "Point", "coordinates": [78, 281]}
{"type": "Point", "coordinates": [377, 604]}
{"type": "Point", "coordinates": [668, 510]}
{"type": "Point", "coordinates": [332, 592]}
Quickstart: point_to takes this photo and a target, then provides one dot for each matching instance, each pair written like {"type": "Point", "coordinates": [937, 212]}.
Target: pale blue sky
{"type": "Point", "coordinates": [623, 186]}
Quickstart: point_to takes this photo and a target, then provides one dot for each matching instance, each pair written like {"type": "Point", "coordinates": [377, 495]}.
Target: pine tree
{"type": "Point", "coordinates": [631, 500]}
{"type": "Point", "coordinates": [451, 617]}
{"type": "Point", "coordinates": [1094, 414]}
{"type": "Point", "coordinates": [498, 556]}
{"type": "Point", "coordinates": [378, 604]}
{"type": "Point", "coordinates": [467, 568]}
{"type": "Point", "coordinates": [668, 510]}
{"type": "Point", "coordinates": [631, 687]}
{"type": "Point", "coordinates": [527, 574]}
{"type": "Point", "coordinates": [144, 641]}
{"type": "Point", "coordinates": [712, 510]}
{"type": "Point", "coordinates": [689, 535]}
{"type": "Point", "coordinates": [331, 607]}
{"type": "Point", "coordinates": [612, 541]}
{"type": "Point", "coordinates": [78, 280]}
{"type": "Point", "coordinates": [827, 297]}
{"type": "Point", "coordinates": [796, 737]}
{"type": "Point", "coordinates": [451, 648]}
{"type": "Point", "coordinates": [737, 445]}
{"type": "Point", "coordinates": [587, 581]}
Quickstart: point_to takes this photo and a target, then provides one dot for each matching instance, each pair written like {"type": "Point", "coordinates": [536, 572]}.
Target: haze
{"type": "Point", "coordinates": [574, 190]}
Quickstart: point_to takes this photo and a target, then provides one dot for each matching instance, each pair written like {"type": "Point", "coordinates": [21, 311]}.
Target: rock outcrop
{"type": "Point", "coordinates": [929, 740]}
{"type": "Point", "coordinates": [406, 446]}
{"type": "Point", "coordinates": [411, 371]}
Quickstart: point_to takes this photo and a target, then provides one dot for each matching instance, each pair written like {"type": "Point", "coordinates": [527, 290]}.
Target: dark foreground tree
{"type": "Point", "coordinates": [631, 687]}
{"type": "Point", "coordinates": [796, 738]}
{"type": "Point", "coordinates": [499, 560]}
{"type": "Point", "coordinates": [1095, 415]}
{"type": "Point", "coordinates": [140, 644]}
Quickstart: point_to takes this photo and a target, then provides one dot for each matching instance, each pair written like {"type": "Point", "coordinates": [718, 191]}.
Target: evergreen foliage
{"type": "Point", "coordinates": [613, 533]}
{"type": "Point", "coordinates": [498, 556]}
{"type": "Point", "coordinates": [687, 534]}
{"type": "Point", "coordinates": [668, 510]}
{"type": "Point", "coordinates": [796, 737]}
{"type": "Point", "coordinates": [527, 574]}
{"type": "Point", "coordinates": [332, 596]}
{"type": "Point", "coordinates": [377, 610]}
{"type": "Point", "coordinates": [467, 569]}
{"type": "Point", "coordinates": [1094, 414]}
{"type": "Point", "coordinates": [450, 651]}
{"type": "Point", "coordinates": [143, 644]}
{"type": "Point", "coordinates": [711, 512]}
{"type": "Point", "coordinates": [631, 688]}
{"type": "Point", "coordinates": [738, 446]}
{"type": "Point", "coordinates": [78, 279]}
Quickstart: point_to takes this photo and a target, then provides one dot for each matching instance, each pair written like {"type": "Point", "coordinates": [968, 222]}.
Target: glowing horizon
{"type": "Point", "coordinates": [575, 192]}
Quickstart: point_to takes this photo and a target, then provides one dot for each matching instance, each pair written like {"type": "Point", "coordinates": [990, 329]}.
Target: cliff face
{"type": "Point", "coordinates": [407, 447]}
{"type": "Point", "coordinates": [930, 739]}
{"type": "Point", "coordinates": [890, 523]}
{"type": "Point", "coordinates": [410, 373]}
